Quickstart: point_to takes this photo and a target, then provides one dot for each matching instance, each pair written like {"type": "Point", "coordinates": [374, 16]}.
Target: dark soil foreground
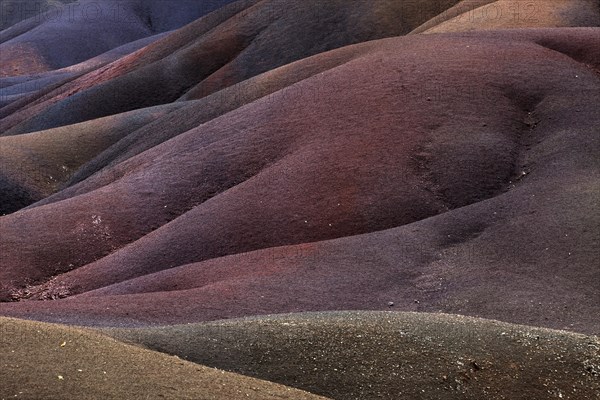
{"type": "Point", "coordinates": [391, 355]}
{"type": "Point", "coordinates": [43, 361]}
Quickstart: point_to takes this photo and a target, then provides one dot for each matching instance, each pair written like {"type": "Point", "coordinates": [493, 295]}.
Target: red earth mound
{"type": "Point", "coordinates": [227, 47]}
{"type": "Point", "coordinates": [276, 156]}
{"type": "Point", "coordinates": [480, 175]}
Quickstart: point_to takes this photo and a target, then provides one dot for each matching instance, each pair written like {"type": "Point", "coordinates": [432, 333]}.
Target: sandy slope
{"type": "Point", "coordinates": [285, 157]}
{"type": "Point", "coordinates": [469, 15]}
{"type": "Point", "coordinates": [39, 164]}
{"type": "Point", "coordinates": [234, 44]}
{"type": "Point", "coordinates": [324, 159]}
{"type": "Point", "coordinates": [43, 361]}
{"type": "Point", "coordinates": [170, 186]}
{"type": "Point", "coordinates": [90, 27]}
{"type": "Point", "coordinates": [26, 87]}
{"type": "Point", "coordinates": [361, 355]}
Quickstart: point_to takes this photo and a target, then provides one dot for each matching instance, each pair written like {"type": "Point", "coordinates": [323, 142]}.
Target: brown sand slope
{"type": "Point", "coordinates": [279, 156]}
{"type": "Point", "coordinates": [135, 141]}
{"type": "Point", "coordinates": [204, 57]}
{"type": "Point", "coordinates": [196, 112]}
{"type": "Point", "coordinates": [43, 361]}
{"type": "Point", "coordinates": [40, 163]}
{"type": "Point", "coordinates": [469, 15]}
{"type": "Point", "coordinates": [324, 159]}
{"type": "Point", "coordinates": [246, 44]}
{"type": "Point", "coordinates": [489, 259]}
{"type": "Point", "coordinates": [392, 356]}
{"type": "Point", "coordinates": [47, 96]}
{"type": "Point", "coordinates": [574, 43]}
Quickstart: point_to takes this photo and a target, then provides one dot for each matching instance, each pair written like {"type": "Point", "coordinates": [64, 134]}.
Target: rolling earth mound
{"type": "Point", "coordinates": [389, 355]}
{"type": "Point", "coordinates": [392, 176]}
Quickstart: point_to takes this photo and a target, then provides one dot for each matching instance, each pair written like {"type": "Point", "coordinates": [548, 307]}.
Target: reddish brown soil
{"type": "Point", "coordinates": [278, 157]}
{"type": "Point", "coordinates": [229, 46]}
{"type": "Point", "coordinates": [292, 168]}
{"type": "Point", "coordinates": [468, 15]}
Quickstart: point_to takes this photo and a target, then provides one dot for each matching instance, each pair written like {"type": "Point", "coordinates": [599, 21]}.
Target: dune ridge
{"type": "Point", "coordinates": [52, 361]}
{"type": "Point", "coordinates": [388, 355]}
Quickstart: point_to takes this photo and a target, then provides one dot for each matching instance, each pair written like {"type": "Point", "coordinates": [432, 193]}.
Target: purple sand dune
{"type": "Point", "coordinates": [90, 28]}
{"type": "Point", "coordinates": [174, 186]}
{"type": "Point", "coordinates": [323, 159]}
